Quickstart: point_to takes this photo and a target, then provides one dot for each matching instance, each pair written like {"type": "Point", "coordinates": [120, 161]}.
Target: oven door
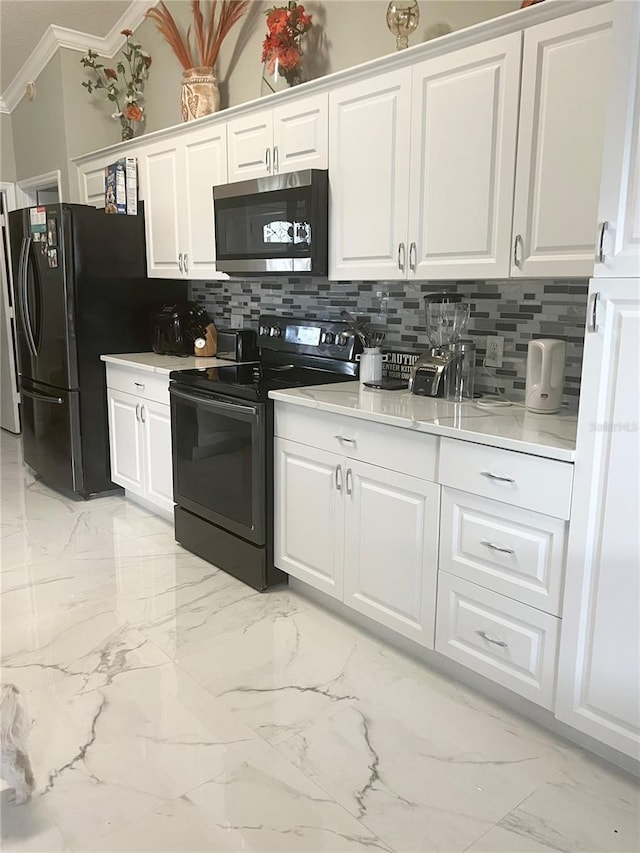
{"type": "Point", "coordinates": [219, 463]}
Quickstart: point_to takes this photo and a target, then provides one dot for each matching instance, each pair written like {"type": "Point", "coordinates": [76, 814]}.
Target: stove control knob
{"type": "Point", "coordinates": [275, 332]}
{"type": "Point", "coordinates": [342, 341]}
{"type": "Point", "coordinates": [264, 330]}
{"type": "Point", "coordinates": [329, 337]}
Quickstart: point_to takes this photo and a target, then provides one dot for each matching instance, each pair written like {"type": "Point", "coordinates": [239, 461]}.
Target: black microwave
{"type": "Point", "coordinates": [275, 225]}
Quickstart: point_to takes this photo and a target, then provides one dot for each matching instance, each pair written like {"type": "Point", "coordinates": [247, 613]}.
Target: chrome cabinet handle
{"type": "Point", "coordinates": [137, 411]}
{"type": "Point", "coordinates": [180, 262]}
{"type": "Point", "coordinates": [592, 315]}
{"type": "Point", "coordinates": [496, 477]}
{"type": "Point", "coordinates": [517, 259]}
{"type": "Point", "coordinates": [186, 263]}
{"type": "Point", "coordinates": [349, 481]}
{"type": "Point", "coordinates": [276, 159]}
{"type": "Point", "coordinates": [413, 253]}
{"type": "Point", "coordinates": [401, 257]}
{"type": "Point", "coordinates": [500, 548]}
{"type": "Point", "coordinates": [489, 639]}
{"type": "Point", "coordinates": [338, 475]}
{"type": "Point", "coordinates": [142, 415]}
{"type": "Point", "coordinates": [139, 385]}
{"type": "Point", "coordinates": [267, 159]}
{"type": "Point", "coordinates": [345, 439]}
{"type": "Point", "coordinates": [600, 256]}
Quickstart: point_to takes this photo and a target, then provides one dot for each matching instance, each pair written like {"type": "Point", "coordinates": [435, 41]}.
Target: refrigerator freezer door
{"type": "Point", "coordinates": [50, 435]}
{"type": "Point", "coordinates": [44, 301]}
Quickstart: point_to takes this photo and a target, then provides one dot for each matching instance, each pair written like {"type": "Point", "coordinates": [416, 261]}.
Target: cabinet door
{"type": "Point", "coordinates": [156, 420]}
{"type": "Point", "coordinates": [91, 184]}
{"type": "Point", "coordinates": [309, 515]}
{"type": "Point", "coordinates": [125, 441]}
{"type": "Point", "coordinates": [598, 687]}
{"type": "Point", "coordinates": [250, 141]}
{"type": "Point", "coordinates": [463, 150]}
{"type": "Point", "coordinates": [205, 166]}
{"type": "Point", "coordinates": [620, 187]}
{"type": "Point", "coordinates": [163, 208]}
{"type": "Point", "coordinates": [565, 72]}
{"type": "Point", "coordinates": [301, 134]}
{"type": "Point", "coordinates": [369, 177]}
{"type": "Point", "coordinates": [391, 549]}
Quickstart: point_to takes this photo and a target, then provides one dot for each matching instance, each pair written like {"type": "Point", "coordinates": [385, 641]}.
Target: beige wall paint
{"type": "Point", "coordinates": [39, 132]}
{"type": "Point", "coordinates": [7, 154]}
{"type": "Point", "coordinates": [65, 121]}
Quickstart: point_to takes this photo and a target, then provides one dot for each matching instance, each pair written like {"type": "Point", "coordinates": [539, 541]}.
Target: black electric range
{"type": "Point", "coordinates": [222, 435]}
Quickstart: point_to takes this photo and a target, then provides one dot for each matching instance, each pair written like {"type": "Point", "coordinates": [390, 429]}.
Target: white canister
{"type": "Point", "coordinates": [545, 375]}
{"type": "Point", "coordinates": [371, 365]}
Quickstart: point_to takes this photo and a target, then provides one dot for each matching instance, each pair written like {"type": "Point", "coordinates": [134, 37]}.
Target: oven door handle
{"type": "Point", "coordinates": [213, 402]}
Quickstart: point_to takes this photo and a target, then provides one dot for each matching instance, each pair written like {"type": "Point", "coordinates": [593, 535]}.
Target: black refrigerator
{"type": "Point", "coordinates": [81, 290]}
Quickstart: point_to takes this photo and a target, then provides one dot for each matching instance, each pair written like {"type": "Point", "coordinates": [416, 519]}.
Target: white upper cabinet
{"type": "Point", "coordinates": [565, 74]}
{"type": "Point", "coordinates": [369, 177]}
{"type": "Point", "coordinates": [618, 248]}
{"type": "Point", "coordinates": [598, 682]}
{"type": "Point", "coordinates": [463, 149]}
{"type": "Point", "coordinates": [281, 139]}
{"type": "Point", "coordinates": [421, 167]}
{"type": "Point", "coordinates": [178, 175]}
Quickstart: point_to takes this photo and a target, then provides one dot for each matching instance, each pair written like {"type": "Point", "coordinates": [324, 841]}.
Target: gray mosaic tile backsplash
{"type": "Point", "coordinates": [516, 310]}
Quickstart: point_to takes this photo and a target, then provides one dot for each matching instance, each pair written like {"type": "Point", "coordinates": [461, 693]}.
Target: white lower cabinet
{"type": "Point", "coordinates": [140, 437]}
{"type": "Point", "coordinates": [360, 533]}
{"type": "Point", "coordinates": [509, 642]}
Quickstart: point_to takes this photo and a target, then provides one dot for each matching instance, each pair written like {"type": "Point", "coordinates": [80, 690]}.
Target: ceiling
{"type": "Point", "coordinates": [24, 22]}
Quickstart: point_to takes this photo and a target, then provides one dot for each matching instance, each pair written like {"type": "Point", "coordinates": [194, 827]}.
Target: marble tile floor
{"type": "Point", "coordinates": [175, 709]}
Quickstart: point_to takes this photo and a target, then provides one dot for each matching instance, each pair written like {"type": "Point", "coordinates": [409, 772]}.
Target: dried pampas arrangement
{"type": "Point", "coordinates": [210, 30]}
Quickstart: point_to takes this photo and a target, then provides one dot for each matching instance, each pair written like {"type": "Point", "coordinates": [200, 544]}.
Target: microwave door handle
{"type": "Point", "coordinates": [213, 403]}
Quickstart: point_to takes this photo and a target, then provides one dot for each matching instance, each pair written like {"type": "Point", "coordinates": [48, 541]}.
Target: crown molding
{"type": "Point", "coordinates": [56, 37]}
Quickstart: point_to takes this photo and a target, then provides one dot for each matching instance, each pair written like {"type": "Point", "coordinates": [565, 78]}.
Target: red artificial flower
{"type": "Point", "coordinates": [285, 25]}
{"type": "Point", "coordinates": [147, 61]}
{"type": "Point", "coordinates": [126, 33]}
{"type": "Point", "coordinates": [133, 112]}
{"type": "Point", "coordinates": [110, 74]}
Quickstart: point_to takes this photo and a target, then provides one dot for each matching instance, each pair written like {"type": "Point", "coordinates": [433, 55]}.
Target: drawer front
{"type": "Point", "coordinates": [516, 552]}
{"type": "Point", "coordinates": [389, 447]}
{"type": "Point", "coordinates": [501, 639]}
{"type": "Point", "coordinates": [142, 383]}
{"type": "Point", "coordinates": [530, 482]}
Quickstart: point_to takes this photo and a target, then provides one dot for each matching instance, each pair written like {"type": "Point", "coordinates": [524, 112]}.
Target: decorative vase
{"type": "Point", "coordinates": [200, 93]}
{"type": "Point", "coordinates": [126, 130]}
{"type": "Point", "coordinates": [275, 78]}
{"type": "Point", "coordinates": [403, 16]}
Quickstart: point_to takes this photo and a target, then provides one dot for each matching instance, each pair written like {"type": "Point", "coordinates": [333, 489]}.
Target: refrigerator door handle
{"type": "Point", "coordinates": [22, 291]}
{"type": "Point", "coordinates": [36, 329]}
{"type": "Point", "coordinates": [43, 397]}
{"type": "Point", "coordinates": [26, 316]}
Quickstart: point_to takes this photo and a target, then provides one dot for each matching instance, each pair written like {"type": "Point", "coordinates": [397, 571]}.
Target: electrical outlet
{"type": "Point", "coordinates": [237, 321]}
{"type": "Point", "coordinates": [495, 351]}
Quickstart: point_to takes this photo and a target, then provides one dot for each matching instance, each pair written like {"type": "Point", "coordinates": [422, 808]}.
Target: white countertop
{"type": "Point", "coordinates": [155, 363]}
{"type": "Point", "coordinates": [512, 428]}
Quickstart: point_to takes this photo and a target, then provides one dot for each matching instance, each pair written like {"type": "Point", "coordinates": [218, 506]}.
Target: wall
{"type": "Point", "coordinates": [39, 130]}
{"type": "Point", "coordinates": [7, 154]}
{"type": "Point", "coordinates": [516, 310]}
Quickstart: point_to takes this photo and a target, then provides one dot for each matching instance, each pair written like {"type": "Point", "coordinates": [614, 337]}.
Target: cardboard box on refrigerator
{"type": "Point", "coordinates": [121, 186]}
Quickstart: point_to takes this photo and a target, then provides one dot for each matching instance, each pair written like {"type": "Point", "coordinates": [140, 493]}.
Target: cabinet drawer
{"type": "Point", "coordinates": [531, 482]}
{"type": "Point", "coordinates": [501, 639]}
{"type": "Point", "coordinates": [512, 551]}
{"type": "Point", "coordinates": [389, 447]}
{"type": "Point", "coordinates": [142, 383]}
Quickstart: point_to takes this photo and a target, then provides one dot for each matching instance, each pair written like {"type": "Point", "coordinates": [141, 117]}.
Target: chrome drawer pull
{"type": "Point", "coordinates": [338, 478]}
{"type": "Point", "coordinates": [496, 477]}
{"type": "Point", "coordinates": [346, 440]}
{"type": "Point", "coordinates": [500, 548]}
{"type": "Point", "coordinates": [139, 385]}
{"type": "Point", "coordinates": [489, 639]}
